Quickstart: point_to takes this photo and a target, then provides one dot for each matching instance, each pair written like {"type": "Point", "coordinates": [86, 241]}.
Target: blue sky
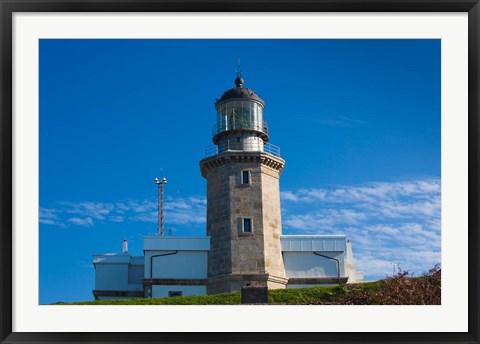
{"type": "Point", "coordinates": [357, 121]}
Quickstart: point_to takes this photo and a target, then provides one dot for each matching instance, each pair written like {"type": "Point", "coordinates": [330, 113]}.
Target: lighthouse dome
{"type": "Point", "coordinates": [239, 93]}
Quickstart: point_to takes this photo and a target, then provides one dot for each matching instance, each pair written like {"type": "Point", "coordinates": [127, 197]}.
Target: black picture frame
{"type": "Point", "coordinates": [8, 7]}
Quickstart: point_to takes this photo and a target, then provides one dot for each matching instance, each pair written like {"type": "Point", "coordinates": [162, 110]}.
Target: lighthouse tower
{"type": "Point", "coordinates": [243, 196]}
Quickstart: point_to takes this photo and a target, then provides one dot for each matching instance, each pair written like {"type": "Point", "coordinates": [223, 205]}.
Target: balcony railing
{"type": "Point", "coordinates": [233, 146]}
{"type": "Point", "coordinates": [240, 124]}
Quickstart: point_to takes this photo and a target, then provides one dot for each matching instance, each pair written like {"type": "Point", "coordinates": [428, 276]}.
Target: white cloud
{"type": "Point", "coordinates": [121, 208]}
{"type": "Point", "coordinates": [402, 209]}
{"type": "Point", "coordinates": [95, 210]}
{"type": "Point", "coordinates": [198, 200]}
{"type": "Point", "coordinates": [87, 222]}
{"type": "Point", "coordinates": [48, 222]}
{"type": "Point", "coordinates": [141, 206]}
{"type": "Point", "coordinates": [386, 221]}
{"type": "Point", "coordinates": [182, 218]}
{"type": "Point", "coordinates": [116, 218]}
{"type": "Point", "coordinates": [370, 193]}
{"type": "Point", "coordinates": [324, 218]}
{"type": "Point", "coordinates": [48, 216]}
{"type": "Point", "coordinates": [178, 211]}
{"type": "Point", "coordinates": [150, 217]}
{"type": "Point", "coordinates": [46, 213]}
{"type": "Point", "coordinates": [288, 196]}
{"type": "Point", "coordinates": [340, 121]}
{"type": "Point", "coordinates": [380, 267]}
{"type": "Point", "coordinates": [177, 203]}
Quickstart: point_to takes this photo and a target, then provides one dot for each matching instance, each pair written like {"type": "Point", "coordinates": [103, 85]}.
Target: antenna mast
{"type": "Point", "coordinates": [160, 184]}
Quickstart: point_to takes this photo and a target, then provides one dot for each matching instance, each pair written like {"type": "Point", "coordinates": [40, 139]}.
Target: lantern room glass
{"type": "Point", "coordinates": [239, 114]}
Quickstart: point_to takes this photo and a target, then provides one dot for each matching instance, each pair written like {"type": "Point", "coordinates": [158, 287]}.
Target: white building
{"type": "Point", "coordinates": [244, 243]}
{"type": "Point", "coordinates": [173, 266]}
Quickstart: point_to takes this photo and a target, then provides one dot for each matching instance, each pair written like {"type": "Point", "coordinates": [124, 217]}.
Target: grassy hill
{"type": "Point", "coordinates": [398, 290]}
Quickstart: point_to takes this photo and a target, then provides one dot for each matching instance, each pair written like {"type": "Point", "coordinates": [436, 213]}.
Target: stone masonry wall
{"type": "Point", "coordinates": [233, 252]}
{"type": "Point", "coordinates": [246, 202]}
{"type": "Point", "coordinates": [218, 221]}
{"type": "Point", "coordinates": [272, 222]}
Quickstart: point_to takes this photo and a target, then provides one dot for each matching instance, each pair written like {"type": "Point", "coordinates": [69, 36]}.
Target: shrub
{"type": "Point", "coordinates": [401, 289]}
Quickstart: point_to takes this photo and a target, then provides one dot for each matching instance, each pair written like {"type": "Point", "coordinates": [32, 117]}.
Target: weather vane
{"type": "Point", "coordinates": [239, 71]}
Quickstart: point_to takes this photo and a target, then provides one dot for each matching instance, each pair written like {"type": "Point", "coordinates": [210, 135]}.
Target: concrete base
{"type": "Point", "coordinates": [234, 282]}
{"type": "Point", "coordinates": [254, 295]}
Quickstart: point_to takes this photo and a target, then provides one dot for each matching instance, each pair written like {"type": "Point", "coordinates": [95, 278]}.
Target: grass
{"type": "Point", "coordinates": [305, 296]}
{"type": "Point", "coordinates": [280, 296]}
{"type": "Point", "coordinates": [401, 289]}
{"type": "Point", "coordinates": [218, 299]}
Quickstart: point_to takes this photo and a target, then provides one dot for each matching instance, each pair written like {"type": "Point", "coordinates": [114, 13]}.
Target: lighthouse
{"type": "Point", "coordinates": [242, 171]}
{"type": "Point", "coordinates": [244, 245]}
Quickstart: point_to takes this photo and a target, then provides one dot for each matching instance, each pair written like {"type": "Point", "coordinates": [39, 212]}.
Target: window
{"type": "Point", "coordinates": [172, 293]}
{"type": "Point", "coordinates": [247, 225]}
{"type": "Point", "coordinates": [245, 177]}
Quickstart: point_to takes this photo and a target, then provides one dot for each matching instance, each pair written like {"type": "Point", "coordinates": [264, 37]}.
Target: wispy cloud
{"type": "Point", "coordinates": [116, 218]}
{"type": "Point", "coordinates": [386, 221]}
{"type": "Point", "coordinates": [419, 189]}
{"type": "Point", "coordinates": [141, 206]}
{"type": "Point", "coordinates": [178, 211]}
{"type": "Point", "coordinates": [340, 121]}
{"type": "Point", "coordinates": [49, 216]}
{"type": "Point", "coordinates": [94, 210]}
{"type": "Point", "coordinates": [86, 222]}
{"type": "Point", "coordinates": [325, 218]}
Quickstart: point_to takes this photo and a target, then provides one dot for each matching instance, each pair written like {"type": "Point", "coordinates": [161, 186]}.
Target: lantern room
{"type": "Point", "coordinates": [240, 124]}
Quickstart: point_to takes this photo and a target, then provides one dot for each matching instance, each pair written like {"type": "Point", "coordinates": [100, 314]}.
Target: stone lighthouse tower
{"type": "Point", "coordinates": [243, 196]}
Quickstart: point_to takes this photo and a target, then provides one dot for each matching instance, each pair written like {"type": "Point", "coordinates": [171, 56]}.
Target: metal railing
{"type": "Point", "coordinates": [240, 124]}
{"type": "Point", "coordinates": [233, 146]}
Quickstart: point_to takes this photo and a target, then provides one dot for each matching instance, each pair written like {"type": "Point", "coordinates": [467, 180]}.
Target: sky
{"type": "Point", "coordinates": [357, 122]}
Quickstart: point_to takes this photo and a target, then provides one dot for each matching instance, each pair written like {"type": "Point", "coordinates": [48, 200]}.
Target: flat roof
{"type": "Point", "coordinates": [176, 237]}
{"type": "Point", "coordinates": [315, 236]}
{"type": "Point", "coordinates": [180, 243]}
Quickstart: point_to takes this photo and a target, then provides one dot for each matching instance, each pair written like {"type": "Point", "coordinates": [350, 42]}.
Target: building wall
{"type": "Point", "coordinates": [184, 264]}
{"type": "Point", "coordinates": [233, 251]}
{"type": "Point", "coordinates": [175, 263]}
{"type": "Point", "coordinates": [228, 202]}
{"type": "Point", "coordinates": [248, 255]}
{"type": "Point", "coordinates": [304, 264]}
{"type": "Point", "coordinates": [350, 271]}
{"type": "Point", "coordinates": [218, 220]}
{"type": "Point", "coordinates": [111, 276]}
{"type": "Point", "coordinates": [162, 290]}
{"type": "Point", "coordinates": [114, 298]}
{"type": "Point", "coordinates": [248, 142]}
{"type": "Point", "coordinates": [135, 274]}
{"type": "Point", "coordinates": [118, 272]}
{"type": "Point", "coordinates": [272, 223]}
{"type": "Point", "coordinates": [185, 267]}
{"type": "Point", "coordinates": [307, 264]}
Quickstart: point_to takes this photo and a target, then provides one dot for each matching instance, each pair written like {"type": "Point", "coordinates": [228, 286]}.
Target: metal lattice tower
{"type": "Point", "coordinates": [160, 184]}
